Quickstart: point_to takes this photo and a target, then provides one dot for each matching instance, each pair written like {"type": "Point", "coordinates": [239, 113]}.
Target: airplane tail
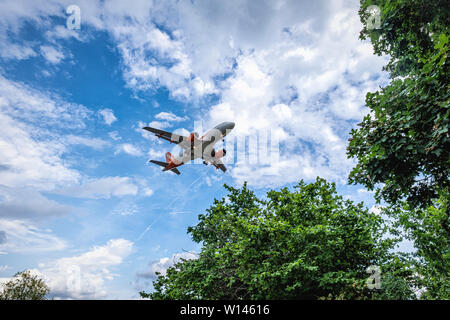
{"type": "Point", "coordinates": [170, 158]}
{"type": "Point", "coordinates": [175, 170]}
{"type": "Point", "coordinates": [165, 164]}
{"type": "Point", "coordinates": [159, 163]}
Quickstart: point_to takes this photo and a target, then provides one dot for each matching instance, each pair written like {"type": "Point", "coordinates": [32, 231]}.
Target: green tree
{"type": "Point", "coordinates": [306, 244]}
{"type": "Point", "coordinates": [403, 143]}
{"type": "Point", "coordinates": [24, 286]}
{"type": "Point", "coordinates": [429, 230]}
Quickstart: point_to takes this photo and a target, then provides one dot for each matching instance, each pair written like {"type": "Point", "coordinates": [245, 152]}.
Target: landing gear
{"type": "Point", "coordinates": [205, 163]}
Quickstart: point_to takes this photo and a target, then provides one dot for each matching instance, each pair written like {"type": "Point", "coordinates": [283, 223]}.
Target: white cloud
{"type": "Point", "coordinates": [304, 87]}
{"type": "Point", "coordinates": [199, 41]}
{"type": "Point", "coordinates": [126, 208]}
{"type": "Point", "coordinates": [159, 124]}
{"type": "Point", "coordinates": [377, 209]}
{"type": "Point", "coordinates": [95, 143]}
{"type": "Point", "coordinates": [30, 162]}
{"type": "Point", "coordinates": [114, 135]}
{"type": "Point", "coordinates": [22, 236]}
{"type": "Point", "coordinates": [147, 192]}
{"type": "Point", "coordinates": [144, 133]}
{"type": "Point", "coordinates": [30, 150]}
{"type": "Point", "coordinates": [62, 32]}
{"type": "Point", "coordinates": [52, 54]}
{"type": "Point", "coordinates": [365, 191]}
{"type": "Point", "coordinates": [13, 16]}
{"type": "Point", "coordinates": [16, 52]}
{"type": "Point", "coordinates": [214, 180]}
{"type": "Point", "coordinates": [163, 264]}
{"type": "Point", "coordinates": [154, 154]}
{"type": "Point", "coordinates": [101, 188]}
{"type": "Point", "coordinates": [128, 149]}
{"type": "Point", "coordinates": [36, 206]}
{"type": "Point", "coordinates": [144, 189]}
{"type": "Point", "coordinates": [2, 237]}
{"type": "Point", "coordinates": [84, 276]}
{"type": "Point", "coordinates": [108, 116]}
{"type": "Point", "coordinates": [136, 41]}
{"type": "Point", "coordinates": [296, 67]}
{"type": "Point", "coordinates": [169, 116]}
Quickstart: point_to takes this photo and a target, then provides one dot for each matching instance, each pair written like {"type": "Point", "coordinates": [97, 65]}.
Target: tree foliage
{"type": "Point", "coordinates": [404, 141]}
{"type": "Point", "coordinates": [306, 244]}
{"type": "Point", "coordinates": [429, 230]}
{"type": "Point", "coordinates": [24, 286]}
{"type": "Point", "coordinates": [403, 144]}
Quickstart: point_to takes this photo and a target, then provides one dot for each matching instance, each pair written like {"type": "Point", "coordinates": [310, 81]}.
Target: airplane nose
{"type": "Point", "coordinates": [224, 126]}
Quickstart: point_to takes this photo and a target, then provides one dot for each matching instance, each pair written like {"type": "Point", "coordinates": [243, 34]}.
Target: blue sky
{"type": "Point", "coordinates": [78, 203]}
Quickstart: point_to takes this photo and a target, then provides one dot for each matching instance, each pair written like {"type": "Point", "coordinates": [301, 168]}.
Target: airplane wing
{"type": "Point", "coordinates": [184, 142]}
{"type": "Point", "coordinates": [171, 137]}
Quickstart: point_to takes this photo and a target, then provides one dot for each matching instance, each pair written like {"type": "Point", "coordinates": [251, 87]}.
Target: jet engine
{"type": "Point", "coordinates": [218, 154]}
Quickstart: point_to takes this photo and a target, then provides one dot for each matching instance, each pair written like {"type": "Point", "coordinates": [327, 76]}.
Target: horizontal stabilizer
{"type": "Point", "coordinates": [159, 163]}
{"type": "Point", "coordinates": [165, 164]}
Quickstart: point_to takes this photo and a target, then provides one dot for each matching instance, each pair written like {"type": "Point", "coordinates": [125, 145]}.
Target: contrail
{"type": "Point", "coordinates": [148, 228]}
{"type": "Point", "coordinates": [156, 219]}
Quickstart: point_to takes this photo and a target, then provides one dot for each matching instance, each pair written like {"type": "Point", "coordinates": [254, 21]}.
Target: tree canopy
{"type": "Point", "coordinates": [24, 286]}
{"type": "Point", "coordinates": [309, 243]}
{"type": "Point", "coordinates": [403, 143]}
{"type": "Point", "coordinates": [429, 230]}
{"type": "Point", "coordinates": [403, 146]}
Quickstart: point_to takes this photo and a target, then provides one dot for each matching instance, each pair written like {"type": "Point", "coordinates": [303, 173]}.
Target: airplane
{"type": "Point", "coordinates": [194, 147]}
